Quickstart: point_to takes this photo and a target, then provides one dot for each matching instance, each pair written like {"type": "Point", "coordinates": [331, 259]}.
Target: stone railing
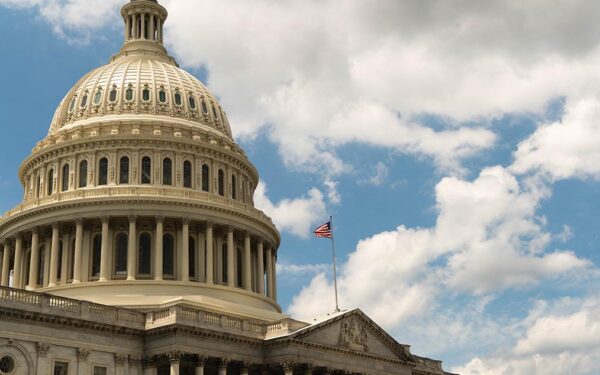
{"type": "Point", "coordinates": [45, 303]}
{"type": "Point", "coordinates": [205, 319]}
{"type": "Point", "coordinates": [141, 191]}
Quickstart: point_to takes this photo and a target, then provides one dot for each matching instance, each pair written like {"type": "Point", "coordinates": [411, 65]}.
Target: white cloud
{"type": "Point", "coordinates": [566, 148]}
{"type": "Point", "coordinates": [296, 216]}
{"type": "Point", "coordinates": [301, 269]}
{"type": "Point", "coordinates": [381, 173]}
{"type": "Point", "coordinates": [479, 245]}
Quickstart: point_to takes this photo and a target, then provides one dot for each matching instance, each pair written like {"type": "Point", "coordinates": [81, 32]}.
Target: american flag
{"type": "Point", "coordinates": [324, 231]}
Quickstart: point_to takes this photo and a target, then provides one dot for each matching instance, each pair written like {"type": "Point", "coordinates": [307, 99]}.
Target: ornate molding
{"type": "Point", "coordinates": [42, 349]}
{"type": "Point", "coordinates": [120, 359]}
{"type": "Point", "coordinates": [82, 354]}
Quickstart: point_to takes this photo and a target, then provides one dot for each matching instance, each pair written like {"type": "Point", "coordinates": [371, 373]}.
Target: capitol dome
{"type": "Point", "coordinates": [139, 195]}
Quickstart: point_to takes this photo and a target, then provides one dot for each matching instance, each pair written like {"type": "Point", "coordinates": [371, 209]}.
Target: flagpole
{"type": "Point", "coordinates": [337, 307]}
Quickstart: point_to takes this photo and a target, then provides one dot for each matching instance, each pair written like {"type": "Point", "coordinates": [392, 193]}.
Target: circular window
{"type": "Point", "coordinates": [7, 365]}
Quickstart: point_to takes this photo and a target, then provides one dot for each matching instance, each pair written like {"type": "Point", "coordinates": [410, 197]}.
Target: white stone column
{"type": "Point", "coordinates": [34, 263]}
{"type": "Point", "coordinates": [274, 273]}
{"type": "Point", "coordinates": [127, 28]}
{"type": "Point", "coordinates": [54, 255]}
{"type": "Point", "coordinates": [77, 263]}
{"type": "Point", "coordinates": [230, 255]}
{"type": "Point", "coordinates": [210, 279]}
{"type": "Point", "coordinates": [151, 30]}
{"type": "Point", "coordinates": [131, 248]}
{"type": "Point", "coordinates": [64, 267]}
{"type": "Point", "coordinates": [158, 245]}
{"type": "Point", "coordinates": [269, 257]}
{"type": "Point", "coordinates": [261, 267]}
{"type": "Point", "coordinates": [185, 245]}
{"type": "Point", "coordinates": [200, 365]}
{"type": "Point", "coordinates": [247, 263]}
{"type": "Point", "coordinates": [143, 30]}
{"type": "Point", "coordinates": [223, 363]}
{"type": "Point", "coordinates": [135, 26]}
{"type": "Point", "coordinates": [104, 255]}
{"type": "Point", "coordinates": [18, 266]}
{"type": "Point", "coordinates": [6, 264]}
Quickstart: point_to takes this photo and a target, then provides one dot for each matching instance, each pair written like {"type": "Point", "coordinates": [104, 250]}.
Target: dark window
{"type": "Point", "coordinates": [205, 178]}
{"type": "Point", "coordinates": [144, 254]}
{"type": "Point", "coordinates": [129, 94]}
{"type": "Point", "coordinates": [221, 183]}
{"type": "Point", "coordinates": [72, 105]}
{"type": "Point", "coordinates": [84, 101]}
{"type": "Point", "coordinates": [96, 255]}
{"type": "Point", "coordinates": [103, 171]}
{"type": "Point", "coordinates": [167, 172]}
{"type": "Point", "coordinates": [215, 112]}
{"type": "Point", "coordinates": [61, 368]}
{"type": "Point", "coordinates": [40, 278]}
{"type": "Point", "coordinates": [204, 107]}
{"type": "Point", "coordinates": [112, 96]}
{"type": "Point", "coordinates": [65, 177]}
{"type": "Point", "coordinates": [83, 174]}
{"type": "Point", "coordinates": [146, 170]}
{"type": "Point", "coordinates": [39, 186]}
{"type": "Point", "coordinates": [100, 370]}
{"type": "Point", "coordinates": [178, 98]}
{"type": "Point", "coordinates": [50, 181]}
{"type": "Point", "coordinates": [192, 256]}
{"type": "Point", "coordinates": [192, 103]}
{"type": "Point", "coordinates": [162, 96]}
{"type": "Point", "coordinates": [97, 97]}
{"type": "Point", "coordinates": [146, 95]}
{"type": "Point", "coordinates": [124, 170]}
{"type": "Point", "coordinates": [121, 254]}
{"type": "Point", "coordinates": [233, 187]}
{"type": "Point", "coordinates": [72, 259]}
{"type": "Point", "coordinates": [7, 365]}
{"type": "Point", "coordinates": [240, 268]}
{"type": "Point", "coordinates": [187, 174]}
{"type": "Point", "coordinates": [168, 255]}
{"type": "Point", "coordinates": [224, 266]}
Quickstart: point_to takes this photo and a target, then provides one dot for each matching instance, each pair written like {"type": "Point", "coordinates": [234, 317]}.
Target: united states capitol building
{"type": "Point", "coordinates": [137, 248]}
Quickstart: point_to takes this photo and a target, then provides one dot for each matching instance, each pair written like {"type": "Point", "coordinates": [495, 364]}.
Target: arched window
{"type": "Point", "coordinates": [240, 268]}
{"type": "Point", "coordinates": [192, 257]}
{"type": "Point", "coordinates": [146, 170]}
{"type": "Point", "coordinates": [124, 170]}
{"type": "Point", "coordinates": [129, 94]}
{"type": "Point", "coordinates": [204, 107]}
{"type": "Point", "coordinates": [168, 255]}
{"type": "Point", "coordinates": [84, 101]}
{"type": "Point", "coordinates": [162, 96]}
{"type": "Point", "coordinates": [112, 95]}
{"type": "Point", "coordinates": [97, 97]}
{"type": "Point", "coordinates": [50, 181]}
{"type": "Point", "coordinates": [205, 178]}
{"type": "Point", "coordinates": [96, 255]}
{"type": "Point", "coordinates": [178, 100]}
{"type": "Point", "coordinates": [103, 171]}
{"type": "Point", "coordinates": [65, 177]}
{"type": "Point", "coordinates": [221, 183]}
{"type": "Point", "coordinates": [83, 169]}
{"type": "Point", "coordinates": [121, 254]}
{"type": "Point", "coordinates": [187, 174]}
{"type": "Point", "coordinates": [215, 112]}
{"type": "Point", "coordinates": [167, 172]}
{"type": "Point", "coordinates": [72, 105]}
{"type": "Point", "coordinates": [144, 254]}
{"type": "Point", "coordinates": [146, 95]}
{"type": "Point", "coordinates": [192, 102]}
{"type": "Point", "coordinates": [233, 187]}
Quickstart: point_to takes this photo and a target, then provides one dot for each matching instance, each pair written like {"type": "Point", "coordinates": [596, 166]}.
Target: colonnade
{"type": "Point", "coordinates": [146, 26]}
{"type": "Point", "coordinates": [139, 248]}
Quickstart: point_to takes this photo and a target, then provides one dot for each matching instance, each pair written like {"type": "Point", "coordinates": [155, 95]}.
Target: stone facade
{"type": "Point", "coordinates": [137, 248]}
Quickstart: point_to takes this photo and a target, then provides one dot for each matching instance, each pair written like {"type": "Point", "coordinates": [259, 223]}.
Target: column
{"type": "Point", "coordinates": [174, 360]}
{"type": "Point", "coordinates": [151, 30]}
{"type": "Point", "coordinates": [6, 264]}
{"type": "Point", "coordinates": [209, 254]}
{"type": "Point", "coordinates": [230, 255]}
{"type": "Point", "coordinates": [34, 263]}
{"type": "Point", "coordinates": [131, 245]}
{"type": "Point", "coordinates": [18, 266]}
{"type": "Point", "coordinates": [128, 28]}
{"type": "Point", "coordinates": [77, 263]}
{"type": "Point", "coordinates": [223, 363]}
{"type": "Point", "coordinates": [261, 267]}
{"type": "Point", "coordinates": [274, 273]}
{"type": "Point", "coordinates": [135, 28]}
{"type": "Point", "coordinates": [104, 255]}
{"type": "Point", "coordinates": [158, 244]}
{"type": "Point", "coordinates": [143, 28]}
{"type": "Point", "coordinates": [270, 273]}
{"type": "Point", "coordinates": [288, 368]}
{"type": "Point", "coordinates": [200, 364]}
{"type": "Point", "coordinates": [185, 256]}
{"type": "Point", "coordinates": [247, 263]}
{"type": "Point", "coordinates": [64, 272]}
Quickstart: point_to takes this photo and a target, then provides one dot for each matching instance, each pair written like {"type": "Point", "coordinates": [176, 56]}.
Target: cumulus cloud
{"type": "Point", "coordinates": [479, 245]}
{"type": "Point", "coordinates": [296, 216]}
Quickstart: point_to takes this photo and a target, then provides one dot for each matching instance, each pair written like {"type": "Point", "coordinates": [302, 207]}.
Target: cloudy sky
{"type": "Point", "coordinates": [456, 144]}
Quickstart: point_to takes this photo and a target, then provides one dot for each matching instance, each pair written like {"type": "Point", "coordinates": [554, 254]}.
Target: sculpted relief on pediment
{"type": "Point", "coordinates": [353, 335]}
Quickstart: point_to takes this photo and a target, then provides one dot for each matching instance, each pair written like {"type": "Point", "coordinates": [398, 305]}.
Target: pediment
{"type": "Point", "coordinates": [354, 331]}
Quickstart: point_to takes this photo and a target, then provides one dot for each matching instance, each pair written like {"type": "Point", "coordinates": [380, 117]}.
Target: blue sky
{"type": "Point", "coordinates": [457, 147]}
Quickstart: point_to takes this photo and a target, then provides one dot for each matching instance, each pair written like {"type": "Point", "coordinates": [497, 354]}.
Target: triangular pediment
{"type": "Point", "coordinates": [356, 332]}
